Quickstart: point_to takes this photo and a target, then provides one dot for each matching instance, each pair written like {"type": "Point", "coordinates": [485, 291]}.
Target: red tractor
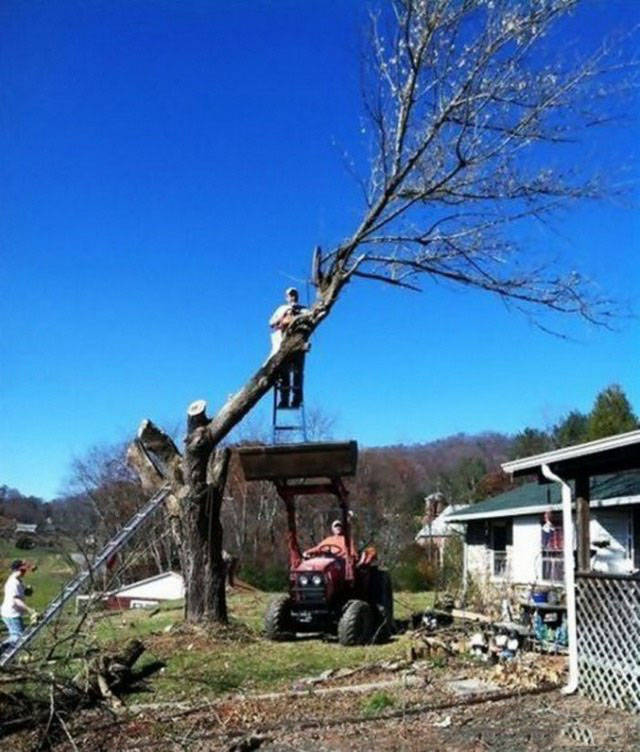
{"type": "Point", "coordinates": [332, 588]}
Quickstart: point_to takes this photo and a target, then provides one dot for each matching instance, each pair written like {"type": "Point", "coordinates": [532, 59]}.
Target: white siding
{"type": "Point", "coordinates": [165, 587]}
{"type": "Point", "coordinates": [615, 526]}
{"type": "Point", "coordinates": [478, 561]}
{"type": "Point", "coordinates": [525, 554]}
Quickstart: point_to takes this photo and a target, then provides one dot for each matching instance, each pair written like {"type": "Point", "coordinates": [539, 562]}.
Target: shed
{"type": "Point", "coordinates": [168, 586]}
{"type": "Point", "coordinates": [25, 527]}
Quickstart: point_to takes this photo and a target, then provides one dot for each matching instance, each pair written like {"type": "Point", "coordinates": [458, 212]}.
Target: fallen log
{"type": "Point", "coordinates": [105, 676]}
{"type": "Point", "coordinates": [459, 613]}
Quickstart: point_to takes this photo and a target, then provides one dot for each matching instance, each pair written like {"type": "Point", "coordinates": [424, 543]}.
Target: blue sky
{"type": "Point", "coordinates": [167, 167]}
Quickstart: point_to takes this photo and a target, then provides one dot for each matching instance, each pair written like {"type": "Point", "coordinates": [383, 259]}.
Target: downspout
{"type": "Point", "coordinates": [569, 579]}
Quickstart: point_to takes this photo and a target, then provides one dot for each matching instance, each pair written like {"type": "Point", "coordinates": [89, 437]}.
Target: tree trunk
{"type": "Point", "coordinates": [201, 547]}
{"type": "Point", "coordinates": [197, 478]}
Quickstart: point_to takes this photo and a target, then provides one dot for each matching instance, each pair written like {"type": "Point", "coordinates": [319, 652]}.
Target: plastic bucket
{"type": "Point", "coordinates": [540, 596]}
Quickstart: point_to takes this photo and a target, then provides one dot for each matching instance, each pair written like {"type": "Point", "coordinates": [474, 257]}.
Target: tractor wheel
{"type": "Point", "coordinates": [383, 597]}
{"type": "Point", "coordinates": [277, 620]}
{"type": "Point", "coordinates": [356, 624]}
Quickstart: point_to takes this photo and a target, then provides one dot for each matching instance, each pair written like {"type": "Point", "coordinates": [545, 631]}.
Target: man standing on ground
{"type": "Point", "coordinates": [289, 379]}
{"type": "Point", "coordinates": [13, 606]}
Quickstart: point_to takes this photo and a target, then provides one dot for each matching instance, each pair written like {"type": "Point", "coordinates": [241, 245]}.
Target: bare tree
{"type": "Point", "coordinates": [466, 113]}
{"type": "Point", "coordinates": [101, 481]}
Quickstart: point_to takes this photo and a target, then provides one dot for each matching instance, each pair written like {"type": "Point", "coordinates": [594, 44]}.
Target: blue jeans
{"type": "Point", "coordinates": [15, 625]}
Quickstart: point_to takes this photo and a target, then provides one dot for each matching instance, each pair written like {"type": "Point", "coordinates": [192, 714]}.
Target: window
{"type": "Point", "coordinates": [500, 537]}
{"type": "Point", "coordinates": [552, 569]}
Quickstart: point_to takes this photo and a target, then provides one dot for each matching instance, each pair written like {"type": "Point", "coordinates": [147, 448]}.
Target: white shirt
{"type": "Point", "coordinates": [13, 588]}
{"type": "Point", "coordinates": [277, 334]}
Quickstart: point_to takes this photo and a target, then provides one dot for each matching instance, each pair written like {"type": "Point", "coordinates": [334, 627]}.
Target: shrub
{"type": "Point", "coordinates": [452, 563]}
{"type": "Point", "coordinates": [413, 571]}
{"type": "Point", "coordinates": [271, 577]}
{"type": "Point", "coordinates": [25, 543]}
{"type": "Point", "coordinates": [378, 702]}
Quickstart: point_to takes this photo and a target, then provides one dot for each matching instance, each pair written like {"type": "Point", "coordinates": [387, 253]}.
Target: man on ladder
{"type": "Point", "coordinates": [289, 381]}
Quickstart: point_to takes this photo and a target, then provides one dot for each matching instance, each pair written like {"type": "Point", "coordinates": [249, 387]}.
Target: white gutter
{"type": "Point", "coordinates": [569, 579]}
{"type": "Point", "coordinates": [613, 501]}
{"type": "Point", "coordinates": [609, 443]}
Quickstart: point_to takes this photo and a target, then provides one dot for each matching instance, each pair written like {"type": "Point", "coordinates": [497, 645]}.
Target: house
{"type": "Point", "coordinates": [437, 531]}
{"type": "Point", "coordinates": [517, 537]}
{"type": "Point", "coordinates": [602, 607]}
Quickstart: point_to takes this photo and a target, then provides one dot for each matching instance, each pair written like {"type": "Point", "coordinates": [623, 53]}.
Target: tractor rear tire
{"type": "Point", "coordinates": [356, 624]}
{"type": "Point", "coordinates": [277, 621]}
{"type": "Point", "coordinates": [383, 597]}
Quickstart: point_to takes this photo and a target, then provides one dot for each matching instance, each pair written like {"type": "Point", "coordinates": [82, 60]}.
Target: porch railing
{"type": "Point", "coordinates": [608, 621]}
{"type": "Point", "coordinates": [552, 567]}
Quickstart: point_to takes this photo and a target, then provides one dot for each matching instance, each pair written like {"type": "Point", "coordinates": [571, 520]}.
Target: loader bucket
{"type": "Point", "coordinates": [295, 461]}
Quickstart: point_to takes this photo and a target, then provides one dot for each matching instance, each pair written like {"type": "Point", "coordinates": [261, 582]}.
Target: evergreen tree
{"type": "Point", "coordinates": [530, 441]}
{"type": "Point", "coordinates": [460, 484]}
{"type": "Point", "coordinates": [571, 430]}
{"type": "Point", "coordinates": [611, 414]}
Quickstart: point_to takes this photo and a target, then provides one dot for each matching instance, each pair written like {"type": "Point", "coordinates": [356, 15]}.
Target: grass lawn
{"type": "Point", "coordinates": [53, 571]}
{"type": "Point", "coordinates": [206, 663]}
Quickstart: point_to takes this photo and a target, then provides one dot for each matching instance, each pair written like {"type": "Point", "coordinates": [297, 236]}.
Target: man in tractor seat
{"type": "Point", "coordinates": [335, 544]}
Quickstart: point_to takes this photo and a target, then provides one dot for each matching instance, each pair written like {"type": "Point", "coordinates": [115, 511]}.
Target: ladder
{"type": "Point", "coordinates": [295, 421]}
{"type": "Point", "coordinates": [72, 587]}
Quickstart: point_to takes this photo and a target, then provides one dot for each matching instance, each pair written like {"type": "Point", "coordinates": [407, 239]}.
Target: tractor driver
{"type": "Point", "coordinates": [333, 544]}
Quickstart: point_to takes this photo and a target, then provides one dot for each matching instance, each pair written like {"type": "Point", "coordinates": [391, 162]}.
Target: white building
{"type": "Point", "coordinates": [438, 531]}
{"type": "Point", "coordinates": [168, 586]}
{"type": "Point", "coordinates": [517, 537]}
{"type": "Point", "coordinates": [25, 527]}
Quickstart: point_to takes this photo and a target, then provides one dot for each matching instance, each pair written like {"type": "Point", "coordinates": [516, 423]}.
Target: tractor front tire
{"type": "Point", "coordinates": [356, 624]}
{"type": "Point", "coordinates": [277, 621]}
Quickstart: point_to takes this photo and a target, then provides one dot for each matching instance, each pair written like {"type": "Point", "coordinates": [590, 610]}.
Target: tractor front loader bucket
{"type": "Point", "coordinates": [284, 462]}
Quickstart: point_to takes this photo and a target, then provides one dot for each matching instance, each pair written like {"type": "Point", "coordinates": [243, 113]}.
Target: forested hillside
{"type": "Point", "coordinates": [387, 493]}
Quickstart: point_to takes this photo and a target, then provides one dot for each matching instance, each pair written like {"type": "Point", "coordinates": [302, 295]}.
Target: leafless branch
{"type": "Point", "coordinates": [462, 100]}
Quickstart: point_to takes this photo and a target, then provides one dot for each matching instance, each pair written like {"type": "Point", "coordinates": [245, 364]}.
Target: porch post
{"type": "Point", "coordinates": [582, 519]}
{"type": "Point", "coordinates": [569, 579]}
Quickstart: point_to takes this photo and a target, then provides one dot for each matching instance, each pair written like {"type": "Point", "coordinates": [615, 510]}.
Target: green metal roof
{"type": "Point", "coordinates": [525, 499]}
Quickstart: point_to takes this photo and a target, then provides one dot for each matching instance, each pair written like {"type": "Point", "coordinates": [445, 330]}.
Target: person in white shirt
{"type": "Point", "coordinates": [289, 381]}
{"type": "Point", "coordinates": [13, 606]}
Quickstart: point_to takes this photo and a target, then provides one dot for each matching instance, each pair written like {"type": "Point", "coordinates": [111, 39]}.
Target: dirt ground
{"type": "Point", "coordinates": [427, 716]}
{"type": "Point", "coordinates": [421, 702]}
{"type": "Point", "coordinates": [548, 722]}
